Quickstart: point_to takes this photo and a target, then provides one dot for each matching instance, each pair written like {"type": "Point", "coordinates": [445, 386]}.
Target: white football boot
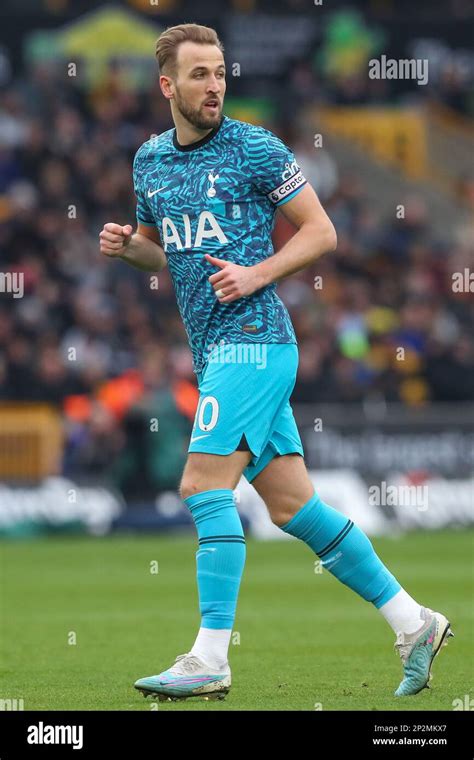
{"type": "Point", "coordinates": [188, 677]}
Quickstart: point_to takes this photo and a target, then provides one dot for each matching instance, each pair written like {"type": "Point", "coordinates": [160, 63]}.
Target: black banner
{"type": "Point", "coordinates": [374, 734]}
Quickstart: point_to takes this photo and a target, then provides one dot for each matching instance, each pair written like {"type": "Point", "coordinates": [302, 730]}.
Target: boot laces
{"type": "Point", "coordinates": [188, 662]}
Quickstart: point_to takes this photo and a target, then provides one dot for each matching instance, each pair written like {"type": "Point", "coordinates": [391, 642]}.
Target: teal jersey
{"type": "Point", "coordinates": [218, 196]}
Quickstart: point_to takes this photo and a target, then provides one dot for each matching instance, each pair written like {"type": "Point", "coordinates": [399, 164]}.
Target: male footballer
{"type": "Point", "coordinates": [207, 192]}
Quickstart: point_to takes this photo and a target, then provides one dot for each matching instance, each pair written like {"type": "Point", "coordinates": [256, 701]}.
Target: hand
{"type": "Point", "coordinates": [236, 281]}
{"type": "Point", "coordinates": [114, 239]}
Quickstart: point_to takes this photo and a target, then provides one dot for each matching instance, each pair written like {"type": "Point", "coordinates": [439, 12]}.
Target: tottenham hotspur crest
{"type": "Point", "coordinates": [212, 179]}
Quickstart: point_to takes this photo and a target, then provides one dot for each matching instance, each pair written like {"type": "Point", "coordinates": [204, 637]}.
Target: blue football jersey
{"type": "Point", "coordinates": [218, 196]}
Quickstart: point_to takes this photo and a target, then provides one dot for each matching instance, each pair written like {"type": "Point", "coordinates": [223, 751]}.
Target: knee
{"type": "Point", "coordinates": [280, 517]}
{"type": "Point", "coordinates": [189, 487]}
{"type": "Point", "coordinates": [279, 520]}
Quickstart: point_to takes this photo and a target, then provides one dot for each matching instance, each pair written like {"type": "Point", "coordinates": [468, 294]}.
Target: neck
{"type": "Point", "coordinates": [186, 134]}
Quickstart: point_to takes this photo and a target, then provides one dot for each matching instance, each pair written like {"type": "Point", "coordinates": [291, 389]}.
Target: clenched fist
{"type": "Point", "coordinates": [114, 238]}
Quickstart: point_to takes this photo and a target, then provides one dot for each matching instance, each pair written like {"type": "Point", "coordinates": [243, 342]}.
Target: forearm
{"type": "Point", "coordinates": [306, 245]}
{"type": "Point", "coordinates": [142, 253]}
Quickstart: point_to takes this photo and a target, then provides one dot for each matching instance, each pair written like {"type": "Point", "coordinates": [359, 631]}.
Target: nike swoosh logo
{"type": "Point", "coordinates": [331, 559]}
{"type": "Point", "coordinates": [151, 193]}
{"type": "Point", "coordinates": [198, 437]}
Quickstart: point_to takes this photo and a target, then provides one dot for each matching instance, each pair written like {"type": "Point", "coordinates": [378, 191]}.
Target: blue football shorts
{"type": "Point", "coordinates": [244, 403]}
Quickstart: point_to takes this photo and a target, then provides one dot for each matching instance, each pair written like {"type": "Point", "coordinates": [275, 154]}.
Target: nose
{"type": "Point", "coordinates": [213, 84]}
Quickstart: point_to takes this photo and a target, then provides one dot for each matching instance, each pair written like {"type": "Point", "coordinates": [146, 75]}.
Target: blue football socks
{"type": "Point", "coordinates": [220, 558]}
{"type": "Point", "coordinates": [344, 550]}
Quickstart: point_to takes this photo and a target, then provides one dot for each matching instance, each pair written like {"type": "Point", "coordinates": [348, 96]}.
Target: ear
{"type": "Point", "coordinates": [166, 86]}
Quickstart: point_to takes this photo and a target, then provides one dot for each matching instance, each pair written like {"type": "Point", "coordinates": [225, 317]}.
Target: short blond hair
{"type": "Point", "coordinates": [168, 42]}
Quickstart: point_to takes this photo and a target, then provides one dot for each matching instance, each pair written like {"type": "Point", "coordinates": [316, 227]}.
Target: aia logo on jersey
{"type": "Point", "coordinates": [184, 238]}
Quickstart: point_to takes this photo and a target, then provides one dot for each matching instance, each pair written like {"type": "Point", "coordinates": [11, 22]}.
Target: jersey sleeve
{"type": "Point", "coordinates": [144, 215]}
{"type": "Point", "coordinates": [275, 172]}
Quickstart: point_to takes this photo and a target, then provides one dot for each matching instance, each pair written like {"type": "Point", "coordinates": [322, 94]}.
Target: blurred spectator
{"type": "Point", "coordinates": [92, 337]}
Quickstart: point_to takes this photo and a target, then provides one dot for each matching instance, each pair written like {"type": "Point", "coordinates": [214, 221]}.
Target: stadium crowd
{"type": "Point", "coordinates": [93, 338]}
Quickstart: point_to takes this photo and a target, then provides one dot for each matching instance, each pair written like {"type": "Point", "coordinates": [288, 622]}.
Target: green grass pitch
{"type": "Point", "coordinates": [302, 640]}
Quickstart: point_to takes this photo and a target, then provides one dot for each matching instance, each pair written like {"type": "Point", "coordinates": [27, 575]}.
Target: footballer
{"type": "Point", "coordinates": [207, 192]}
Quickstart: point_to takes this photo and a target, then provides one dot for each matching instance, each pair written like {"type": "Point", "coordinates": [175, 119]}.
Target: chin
{"type": "Point", "coordinates": [207, 122]}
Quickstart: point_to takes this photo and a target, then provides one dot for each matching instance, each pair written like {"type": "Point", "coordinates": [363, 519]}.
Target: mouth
{"type": "Point", "coordinates": [212, 105]}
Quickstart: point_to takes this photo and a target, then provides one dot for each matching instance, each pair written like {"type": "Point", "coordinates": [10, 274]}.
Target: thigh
{"type": "Point", "coordinates": [204, 472]}
{"type": "Point", "coordinates": [285, 486]}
